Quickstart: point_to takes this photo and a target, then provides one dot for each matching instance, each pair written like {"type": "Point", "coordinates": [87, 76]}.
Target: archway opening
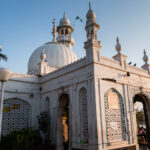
{"type": "Point", "coordinates": [64, 101]}
{"type": "Point", "coordinates": [140, 107]}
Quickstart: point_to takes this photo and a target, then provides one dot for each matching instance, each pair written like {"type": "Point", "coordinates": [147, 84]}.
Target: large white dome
{"type": "Point", "coordinates": [57, 55]}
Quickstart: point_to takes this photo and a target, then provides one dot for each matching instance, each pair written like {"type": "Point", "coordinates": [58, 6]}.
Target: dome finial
{"type": "Point", "coordinates": [64, 14]}
{"type": "Point", "coordinates": [89, 5]}
{"type": "Point", "coordinates": [117, 40]}
{"type": "Point", "coordinates": [43, 55]}
{"type": "Point", "coordinates": [64, 20]}
{"type": "Point", "coordinates": [118, 46]}
{"type": "Point", "coordinates": [145, 57]}
{"type": "Point", "coordinates": [144, 52]}
{"type": "Point", "coordinates": [90, 14]}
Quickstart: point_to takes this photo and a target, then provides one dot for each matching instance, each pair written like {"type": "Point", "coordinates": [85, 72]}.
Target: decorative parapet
{"type": "Point", "coordinates": [32, 72]}
{"type": "Point", "coordinates": [47, 68]}
{"type": "Point", "coordinates": [22, 75]}
{"type": "Point", "coordinates": [82, 62]}
{"type": "Point", "coordinates": [114, 63]}
{"type": "Point", "coordinates": [110, 60]}
{"type": "Point", "coordinates": [24, 78]}
{"type": "Point", "coordinates": [137, 70]}
{"type": "Point", "coordinates": [68, 68]}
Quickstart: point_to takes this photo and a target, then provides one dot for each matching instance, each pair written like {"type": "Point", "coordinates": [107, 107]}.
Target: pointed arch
{"type": "Point", "coordinates": [115, 116]}
{"type": "Point", "coordinates": [141, 97]}
{"type": "Point", "coordinates": [83, 115]}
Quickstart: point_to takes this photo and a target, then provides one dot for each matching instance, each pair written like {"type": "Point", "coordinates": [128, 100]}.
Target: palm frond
{"type": "Point", "coordinates": [4, 57]}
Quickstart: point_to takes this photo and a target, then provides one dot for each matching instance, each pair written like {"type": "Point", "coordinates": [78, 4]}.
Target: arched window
{"type": "Point", "coordinates": [83, 115]}
{"type": "Point", "coordinates": [62, 32]}
{"type": "Point", "coordinates": [66, 32]}
{"type": "Point", "coordinates": [16, 115]}
{"type": "Point", "coordinates": [115, 117]}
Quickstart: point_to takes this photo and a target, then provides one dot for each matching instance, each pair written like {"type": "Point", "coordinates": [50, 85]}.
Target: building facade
{"type": "Point", "coordinates": [90, 101]}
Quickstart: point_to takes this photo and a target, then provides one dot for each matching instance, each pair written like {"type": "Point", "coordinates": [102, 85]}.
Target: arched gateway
{"type": "Point", "coordinates": [143, 136]}
{"type": "Point", "coordinates": [63, 140]}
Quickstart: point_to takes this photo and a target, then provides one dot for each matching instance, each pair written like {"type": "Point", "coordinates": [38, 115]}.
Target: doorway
{"type": "Point", "coordinates": [141, 108]}
{"type": "Point", "coordinates": [64, 103]}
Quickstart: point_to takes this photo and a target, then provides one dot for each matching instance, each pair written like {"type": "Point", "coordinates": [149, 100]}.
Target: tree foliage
{"type": "Point", "coordinates": [43, 121]}
{"type": "Point", "coordinates": [3, 56]}
{"type": "Point", "coordinates": [20, 139]}
{"type": "Point", "coordinates": [140, 118]}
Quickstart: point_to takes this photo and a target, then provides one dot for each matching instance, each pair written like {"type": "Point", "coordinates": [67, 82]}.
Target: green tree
{"type": "Point", "coordinates": [20, 139]}
{"type": "Point", "coordinates": [44, 126]}
{"type": "Point", "coordinates": [2, 56]}
{"type": "Point", "coordinates": [140, 118]}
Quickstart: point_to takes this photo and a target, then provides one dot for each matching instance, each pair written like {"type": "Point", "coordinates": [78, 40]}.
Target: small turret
{"type": "Point", "coordinates": [92, 45]}
{"type": "Point", "coordinates": [91, 25]}
{"type": "Point", "coordinates": [64, 31]}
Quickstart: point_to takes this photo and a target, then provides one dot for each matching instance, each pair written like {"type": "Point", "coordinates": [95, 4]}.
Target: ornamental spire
{"type": "Point", "coordinates": [145, 57]}
{"type": "Point", "coordinates": [118, 46]}
{"type": "Point", "coordinates": [89, 5]}
{"type": "Point", "coordinates": [43, 55]}
{"type": "Point", "coordinates": [64, 14]}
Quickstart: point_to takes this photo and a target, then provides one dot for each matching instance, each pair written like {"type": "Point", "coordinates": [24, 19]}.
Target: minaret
{"type": "Point", "coordinates": [54, 32]}
{"type": "Point", "coordinates": [120, 57]}
{"type": "Point", "coordinates": [64, 31]}
{"type": "Point", "coordinates": [92, 45]}
{"type": "Point", "coordinates": [146, 66]}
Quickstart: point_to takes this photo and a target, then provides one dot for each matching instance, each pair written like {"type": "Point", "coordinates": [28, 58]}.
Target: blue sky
{"type": "Point", "coordinates": [26, 24]}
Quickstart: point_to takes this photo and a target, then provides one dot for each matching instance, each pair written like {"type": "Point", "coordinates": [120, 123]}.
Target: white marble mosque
{"type": "Point", "coordinates": [90, 101]}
